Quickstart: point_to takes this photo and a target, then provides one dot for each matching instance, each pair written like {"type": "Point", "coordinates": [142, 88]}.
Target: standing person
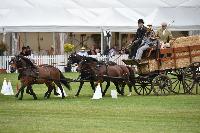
{"type": "Point", "coordinates": [138, 39]}
{"type": "Point", "coordinates": [113, 51]}
{"type": "Point", "coordinates": [28, 51]}
{"type": "Point", "coordinates": [164, 35]}
{"type": "Point", "coordinates": [23, 52]}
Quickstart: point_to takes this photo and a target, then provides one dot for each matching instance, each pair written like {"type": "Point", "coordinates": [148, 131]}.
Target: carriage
{"type": "Point", "coordinates": [170, 70]}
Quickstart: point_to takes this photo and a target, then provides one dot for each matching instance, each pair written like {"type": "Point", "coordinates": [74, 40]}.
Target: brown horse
{"type": "Point", "coordinates": [29, 74]}
{"type": "Point", "coordinates": [117, 74]}
{"type": "Point", "coordinates": [84, 74]}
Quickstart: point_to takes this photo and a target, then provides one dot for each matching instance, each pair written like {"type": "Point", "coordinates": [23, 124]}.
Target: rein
{"type": "Point", "coordinates": [22, 68]}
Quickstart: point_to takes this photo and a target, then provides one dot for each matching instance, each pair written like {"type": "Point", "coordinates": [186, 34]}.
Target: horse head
{"type": "Point", "coordinates": [87, 64]}
{"type": "Point", "coordinates": [18, 62]}
{"type": "Point", "coordinates": [74, 58]}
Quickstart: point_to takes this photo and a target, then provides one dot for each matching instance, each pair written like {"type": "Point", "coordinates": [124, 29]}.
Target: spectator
{"type": "Point", "coordinates": [97, 50]}
{"type": "Point", "coordinates": [106, 51]}
{"type": "Point", "coordinates": [28, 51]}
{"type": "Point", "coordinates": [113, 51]}
{"type": "Point", "coordinates": [82, 52]}
{"type": "Point", "coordinates": [51, 51]}
{"type": "Point", "coordinates": [23, 52]}
{"type": "Point", "coordinates": [92, 51]}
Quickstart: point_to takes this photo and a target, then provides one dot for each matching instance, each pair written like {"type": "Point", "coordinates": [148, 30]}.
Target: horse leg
{"type": "Point", "coordinates": [17, 94]}
{"type": "Point", "coordinates": [50, 88]}
{"type": "Point", "coordinates": [107, 86]}
{"type": "Point", "coordinates": [22, 91]}
{"type": "Point", "coordinates": [130, 89]}
{"type": "Point", "coordinates": [122, 87]}
{"type": "Point", "coordinates": [55, 92]}
{"type": "Point", "coordinates": [48, 93]}
{"type": "Point", "coordinates": [32, 92]}
{"type": "Point", "coordinates": [28, 90]}
{"type": "Point", "coordinates": [80, 87]}
{"type": "Point", "coordinates": [117, 87]}
{"type": "Point", "coordinates": [61, 89]}
{"type": "Point", "coordinates": [92, 85]}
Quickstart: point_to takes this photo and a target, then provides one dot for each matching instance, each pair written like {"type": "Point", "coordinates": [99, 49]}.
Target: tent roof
{"type": "Point", "coordinates": [94, 15]}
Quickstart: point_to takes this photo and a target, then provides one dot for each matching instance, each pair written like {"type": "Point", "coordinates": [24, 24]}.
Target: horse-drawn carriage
{"type": "Point", "coordinates": [175, 69]}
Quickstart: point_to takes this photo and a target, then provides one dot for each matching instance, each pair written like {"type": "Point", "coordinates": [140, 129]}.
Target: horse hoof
{"type": "Point", "coordinates": [103, 94]}
{"type": "Point", "coordinates": [35, 98]}
{"type": "Point", "coordinates": [20, 99]}
{"type": "Point", "coordinates": [16, 96]}
{"type": "Point", "coordinates": [56, 94]}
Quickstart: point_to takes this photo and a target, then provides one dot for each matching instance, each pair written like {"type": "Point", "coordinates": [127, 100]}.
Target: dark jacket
{"type": "Point", "coordinates": [140, 33]}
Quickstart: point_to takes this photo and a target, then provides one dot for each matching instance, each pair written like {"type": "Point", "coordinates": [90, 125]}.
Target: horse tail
{"type": "Point", "coordinates": [64, 81]}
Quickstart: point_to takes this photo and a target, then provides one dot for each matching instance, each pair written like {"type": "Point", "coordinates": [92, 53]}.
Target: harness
{"type": "Point", "coordinates": [28, 71]}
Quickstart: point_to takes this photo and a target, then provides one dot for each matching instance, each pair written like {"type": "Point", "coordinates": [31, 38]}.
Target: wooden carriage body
{"type": "Point", "coordinates": [175, 69]}
{"type": "Point", "coordinates": [176, 57]}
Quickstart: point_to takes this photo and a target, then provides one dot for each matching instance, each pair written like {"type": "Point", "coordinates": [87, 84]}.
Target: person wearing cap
{"type": "Point", "coordinates": [141, 31]}
{"type": "Point", "coordinates": [82, 52]}
{"type": "Point", "coordinates": [164, 35]}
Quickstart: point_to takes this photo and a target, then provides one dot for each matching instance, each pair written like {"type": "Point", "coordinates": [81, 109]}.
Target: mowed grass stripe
{"type": "Point", "coordinates": [148, 114]}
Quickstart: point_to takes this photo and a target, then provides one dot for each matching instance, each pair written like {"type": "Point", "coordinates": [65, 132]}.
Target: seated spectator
{"type": "Point", "coordinates": [148, 41]}
{"type": "Point", "coordinates": [98, 51]}
{"type": "Point", "coordinates": [92, 51]}
{"type": "Point", "coordinates": [82, 52]}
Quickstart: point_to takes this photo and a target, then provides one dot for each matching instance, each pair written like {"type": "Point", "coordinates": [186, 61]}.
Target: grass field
{"type": "Point", "coordinates": [145, 114]}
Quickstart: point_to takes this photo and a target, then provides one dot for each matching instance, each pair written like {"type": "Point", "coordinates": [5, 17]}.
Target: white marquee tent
{"type": "Point", "coordinates": [94, 15]}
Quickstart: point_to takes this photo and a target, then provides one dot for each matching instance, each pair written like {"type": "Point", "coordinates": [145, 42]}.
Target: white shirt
{"type": "Point", "coordinates": [82, 53]}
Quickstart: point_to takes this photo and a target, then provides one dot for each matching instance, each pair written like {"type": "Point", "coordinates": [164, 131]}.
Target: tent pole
{"type": "Point", "coordinates": [120, 41]}
{"type": "Point", "coordinates": [62, 41]}
{"type": "Point", "coordinates": [54, 43]}
{"type": "Point", "coordinates": [102, 41]}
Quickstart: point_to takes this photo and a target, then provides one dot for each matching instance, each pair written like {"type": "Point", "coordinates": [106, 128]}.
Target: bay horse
{"type": "Point", "coordinates": [118, 74]}
{"type": "Point", "coordinates": [30, 74]}
{"type": "Point", "coordinates": [85, 75]}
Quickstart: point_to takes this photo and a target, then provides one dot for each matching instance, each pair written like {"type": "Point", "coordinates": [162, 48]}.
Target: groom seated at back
{"type": "Point", "coordinates": [138, 38]}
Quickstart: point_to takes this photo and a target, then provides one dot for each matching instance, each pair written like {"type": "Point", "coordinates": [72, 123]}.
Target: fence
{"type": "Point", "coordinates": [59, 61]}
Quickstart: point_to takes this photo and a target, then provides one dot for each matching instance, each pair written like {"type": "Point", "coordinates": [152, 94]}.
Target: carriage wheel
{"type": "Point", "coordinates": [177, 79]}
{"type": "Point", "coordinates": [143, 88]}
{"type": "Point", "coordinates": [161, 85]}
{"type": "Point", "coordinates": [192, 77]}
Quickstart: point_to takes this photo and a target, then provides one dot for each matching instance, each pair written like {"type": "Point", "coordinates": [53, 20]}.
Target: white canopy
{"type": "Point", "coordinates": [95, 15]}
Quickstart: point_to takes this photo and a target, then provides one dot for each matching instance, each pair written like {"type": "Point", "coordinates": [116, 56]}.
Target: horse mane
{"type": "Point", "coordinates": [28, 61]}
{"type": "Point", "coordinates": [90, 59]}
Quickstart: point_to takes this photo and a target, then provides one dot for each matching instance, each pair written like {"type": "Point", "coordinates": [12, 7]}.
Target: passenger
{"type": "Point", "coordinates": [148, 41]}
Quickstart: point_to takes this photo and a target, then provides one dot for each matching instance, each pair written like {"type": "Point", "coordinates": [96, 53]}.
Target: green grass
{"type": "Point", "coordinates": [146, 114]}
